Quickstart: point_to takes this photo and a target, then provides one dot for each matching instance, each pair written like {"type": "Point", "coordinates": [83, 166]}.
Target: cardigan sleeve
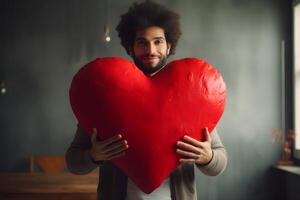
{"type": "Point", "coordinates": [219, 161]}
{"type": "Point", "coordinates": [77, 156]}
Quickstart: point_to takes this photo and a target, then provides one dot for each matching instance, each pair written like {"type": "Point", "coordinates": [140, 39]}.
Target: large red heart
{"type": "Point", "coordinates": [152, 113]}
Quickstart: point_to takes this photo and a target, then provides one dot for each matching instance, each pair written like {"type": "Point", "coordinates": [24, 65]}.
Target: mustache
{"type": "Point", "coordinates": [150, 56]}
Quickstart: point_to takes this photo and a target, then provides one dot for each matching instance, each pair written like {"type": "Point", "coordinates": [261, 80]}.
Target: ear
{"type": "Point", "coordinates": [168, 48]}
{"type": "Point", "coordinates": [130, 51]}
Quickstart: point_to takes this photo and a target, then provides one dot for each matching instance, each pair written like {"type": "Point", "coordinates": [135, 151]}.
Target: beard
{"type": "Point", "coordinates": [148, 69]}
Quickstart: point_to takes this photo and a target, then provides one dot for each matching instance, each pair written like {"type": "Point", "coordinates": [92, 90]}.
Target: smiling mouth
{"type": "Point", "coordinates": [150, 59]}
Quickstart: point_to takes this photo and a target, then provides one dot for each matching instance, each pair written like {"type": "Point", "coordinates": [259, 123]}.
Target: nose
{"type": "Point", "coordinates": [151, 49]}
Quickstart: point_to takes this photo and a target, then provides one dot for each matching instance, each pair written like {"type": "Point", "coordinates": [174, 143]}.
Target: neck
{"type": "Point", "coordinates": [152, 74]}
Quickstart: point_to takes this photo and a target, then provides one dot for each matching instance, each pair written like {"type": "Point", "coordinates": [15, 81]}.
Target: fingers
{"type": "Point", "coordinates": [117, 155]}
{"type": "Point", "coordinates": [197, 143]}
{"type": "Point", "coordinates": [117, 150]}
{"type": "Point", "coordinates": [115, 146]}
{"type": "Point", "coordinates": [188, 147]}
{"type": "Point", "coordinates": [108, 149]}
{"type": "Point", "coordinates": [192, 141]}
{"type": "Point", "coordinates": [107, 141]}
{"type": "Point", "coordinates": [111, 140]}
{"type": "Point", "coordinates": [188, 160]}
{"type": "Point", "coordinates": [187, 154]}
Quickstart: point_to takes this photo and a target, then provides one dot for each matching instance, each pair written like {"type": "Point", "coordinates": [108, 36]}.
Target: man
{"type": "Point", "coordinates": [149, 32]}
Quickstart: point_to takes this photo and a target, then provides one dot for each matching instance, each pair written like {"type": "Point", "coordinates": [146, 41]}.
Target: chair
{"type": "Point", "coordinates": [47, 164]}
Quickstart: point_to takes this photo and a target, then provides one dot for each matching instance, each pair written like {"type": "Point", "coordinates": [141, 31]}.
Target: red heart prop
{"type": "Point", "coordinates": [152, 113]}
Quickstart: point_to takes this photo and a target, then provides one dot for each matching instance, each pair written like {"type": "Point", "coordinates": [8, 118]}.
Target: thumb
{"type": "Point", "coordinates": [207, 135]}
{"type": "Point", "coordinates": [94, 136]}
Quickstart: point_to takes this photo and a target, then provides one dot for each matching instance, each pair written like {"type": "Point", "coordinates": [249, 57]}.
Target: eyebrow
{"type": "Point", "coordinates": [155, 38]}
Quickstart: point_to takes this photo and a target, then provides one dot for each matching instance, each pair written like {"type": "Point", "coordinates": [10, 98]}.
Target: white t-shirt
{"type": "Point", "coordinates": [163, 192]}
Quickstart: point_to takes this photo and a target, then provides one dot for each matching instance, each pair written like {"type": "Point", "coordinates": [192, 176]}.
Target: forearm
{"type": "Point", "coordinates": [77, 156]}
{"type": "Point", "coordinates": [219, 161]}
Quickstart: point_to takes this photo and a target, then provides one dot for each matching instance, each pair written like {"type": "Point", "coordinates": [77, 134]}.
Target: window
{"type": "Point", "coordinates": [296, 73]}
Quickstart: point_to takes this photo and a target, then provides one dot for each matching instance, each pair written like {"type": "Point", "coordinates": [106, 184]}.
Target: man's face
{"type": "Point", "coordinates": [150, 49]}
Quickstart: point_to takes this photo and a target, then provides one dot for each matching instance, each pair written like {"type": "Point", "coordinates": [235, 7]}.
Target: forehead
{"type": "Point", "coordinates": [149, 33]}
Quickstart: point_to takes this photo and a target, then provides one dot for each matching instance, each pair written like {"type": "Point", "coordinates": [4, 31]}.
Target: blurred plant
{"type": "Point", "coordinates": [287, 141]}
{"type": "Point", "coordinates": [277, 135]}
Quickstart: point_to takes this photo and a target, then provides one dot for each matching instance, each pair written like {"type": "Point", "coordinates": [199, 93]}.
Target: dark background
{"type": "Point", "coordinates": [44, 43]}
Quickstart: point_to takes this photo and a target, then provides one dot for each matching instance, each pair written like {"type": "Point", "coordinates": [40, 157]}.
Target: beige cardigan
{"type": "Point", "coordinates": [113, 183]}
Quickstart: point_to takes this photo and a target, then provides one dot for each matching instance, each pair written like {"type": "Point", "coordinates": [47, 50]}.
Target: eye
{"type": "Point", "coordinates": [140, 43]}
{"type": "Point", "coordinates": [158, 42]}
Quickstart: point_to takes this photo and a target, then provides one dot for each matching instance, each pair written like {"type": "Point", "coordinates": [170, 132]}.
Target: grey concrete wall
{"type": "Point", "coordinates": [43, 43]}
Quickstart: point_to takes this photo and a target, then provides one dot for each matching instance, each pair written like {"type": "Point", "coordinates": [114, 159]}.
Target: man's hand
{"type": "Point", "coordinates": [194, 151]}
{"type": "Point", "coordinates": [108, 149]}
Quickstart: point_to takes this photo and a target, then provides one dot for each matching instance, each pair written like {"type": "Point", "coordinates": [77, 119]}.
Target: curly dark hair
{"type": "Point", "coordinates": [143, 15]}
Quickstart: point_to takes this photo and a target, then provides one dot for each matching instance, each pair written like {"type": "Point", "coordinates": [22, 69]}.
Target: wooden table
{"type": "Point", "coordinates": [64, 186]}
